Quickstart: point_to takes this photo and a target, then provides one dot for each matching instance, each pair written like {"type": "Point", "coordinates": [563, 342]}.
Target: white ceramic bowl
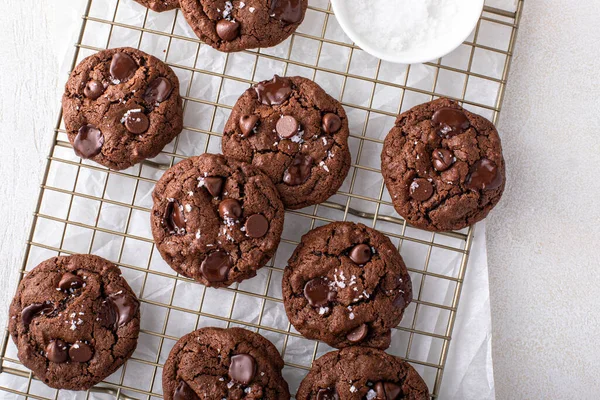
{"type": "Point", "coordinates": [449, 42]}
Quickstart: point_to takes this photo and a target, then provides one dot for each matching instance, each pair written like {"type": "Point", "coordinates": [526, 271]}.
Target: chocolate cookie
{"type": "Point", "coordinates": [74, 320]}
{"type": "Point", "coordinates": [362, 373]}
{"type": "Point", "coordinates": [215, 363]}
{"type": "Point", "coordinates": [216, 220]}
{"type": "Point", "coordinates": [296, 133]}
{"type": "Point", "coordinates": [346, 284]}
{"type": "Point", "coordinates": [159, 5]}
{"type": "Point", "coordinates": [443, 166]}
{"type": "Point", "coordinates": [121, 106]}
{"type": "Point", "coordinates": [237, 25]}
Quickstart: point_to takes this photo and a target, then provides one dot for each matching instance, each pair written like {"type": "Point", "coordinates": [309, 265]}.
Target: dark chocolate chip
{"type": "Point", "coordinates": [331, 123]}
{"type": "Point", "coordinates": [442, 159]}
{"type": "Point", "coordinates": [287, 11]}
{"type": "Point", "coordinates": [450, 122]}
{"type": "Point", "coordinates": [421, 189]}
{"type": "Point", "coordinates": [275, 91]}
{"type": "Point", "coordinates": [388, 390]}
{"type": "Point", "coordinates": [184, 392]}
{"type": "Point", "coordinates": [81, 352]}
{"type": "Point", "coordinates": [358, 335]}
{"type": "Point", "coordinates": [228, 30]}
{"type": "Point", "coordinates": [125, 307]}
{"type": "Point", "coordinates": [484, 175]}
{"type": "Point", "coordinates": [287, 126]}
{"type": "Point", "coordinates": [107, 315]}
{"type": "Point", "coordinates": [230, 209]}
{"type": "Point", "coordinates": [88, 142]}
{"type": "Point", "coordinates": [399, 301]}
{"type": "Point", "coordinates": [299, 171]}
{"type": "Point", "coordinates": [360, 254]}
{"type": "Point", "coordinates": [242, 368]}
{"type": "Point", "coordinates": [327, 394]}
{"type": "Point", "coordinates": [256, 226]}
{"type": "Point", "coordinates": [56, 351]}
{"type": "Point", "coordinates": [214, 185]}
{"type": "Point", "coordinates": [136, 121]}
{"type": "Point", "coordinates": [174, 218]}
{"type": "Point", "coordinates": [93, 89]}
{"type": "Point", "coordinates": [248, 124]}
{"type": "Point", "coordinates": [122, 67]}
{"type": "Point", "coordinates": [35, 309]}
{"type": "Point", "coordinates": [216, 265]}
{"type": "Point", "coordinates": [158, 91]}
{"type": "Point", "coordinates": [318, 292]}
{"type": "Point", "coordinates": [70, 282]}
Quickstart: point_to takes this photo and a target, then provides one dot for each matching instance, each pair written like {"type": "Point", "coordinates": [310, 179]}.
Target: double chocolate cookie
{"type": "Point", "coordinates": [243, 24]}
{"type": "Point", "coordinates": [216, 220]}
{"type": "Point", "coordinates": [294, 132]}
{"type": "Point", "coordinates": [74, 320]}
{"type": "Point", "coordinates": [121, 106]}
{"type": "Point", "coordinates": [159, 5]}
{"type": "Point", "coordinates": [443, 166]}
{"type": "Point", "coordinates": [214, 363]}
{"type": "Point", "coordinates": [361, 373]}
{"type": "Point", "coordinates": [346, 284]}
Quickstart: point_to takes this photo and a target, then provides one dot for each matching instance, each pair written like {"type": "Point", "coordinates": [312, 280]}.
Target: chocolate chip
{"type": "Point", "coordinates": [230, 209]}
{"type": "Point", "coordinates": [442, 159]}
{"type": "Point", "coordinates": [228, 30]}
{"type": "Point", "coordinates": [318, 292]}
{"type": "Point", "coordinates": [327, 394]}
{"type": "Point", "coordinates": [275, 91]}
{"type": "Point", "coordinates": [35, 309]}
{"type": "Point", "coordinates": [256, 226]}
{"type": "Point", "coordinates": [70, 282]}
{"type": "Point", "coordinates": [248, 124]}
{"type": "Point", "coordinates": [358, 335]}
{"type": "Point", "coordinates": [287, 11]}
{"type": "Point", "coordinates": [299, 171]}
{"type": "Point", "coordinates": [214, 185]}
{"type": "Point", "coordinates": [93, 89]}
{"type": "Point", "coordinates": [158, 91]}
{"type": "Point", "coordinates": [450, 121]}
{"type": "Point", "coordinates": [421, 189]}
{"type": "Point", "coordinates": [56, 351]}
{"type": "Point", "coordinates": [122, 67]}
{"type": "Point", "coordinates": [88, 142]}
{"type": "Point", "coordinates": [388, 390]}
{"type": "Point", "coordinates": [331, 123]}
{"type": "Point", "coordinates": [215, 266]}
{"type": "Point", "coordinates": [287, 126]}
{"type": "Point", "coordinates": [81, 352]}
{"type": "Point", "coordinates": [107, 315]}
{"type": "Point", "coordinates": [184, 392]}
{"type": "Point", "coordinates": [360, 254]}
{"type": "Point", "coordinates": [174, 219]}
{"type": "Point", "coordinates": [399, 301]}
{"type": "Point", "coordinates": [242, 368]}
{"type": "Point", "coordinates": [125, 307]}
{"type": "Point", "coordinates": [136, 121]}
{"type": "Point", "coordinates": [484, 175]}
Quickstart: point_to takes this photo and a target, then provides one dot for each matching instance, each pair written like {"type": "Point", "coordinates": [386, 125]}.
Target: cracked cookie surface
{"type": "Point", "coordinates": [159, 5]}
{"type": "Point", "coordinates": [216, 220]}
{"type": "Point", "coordinates": [243, 24]}
{"type": "Point", "coordinates": [443, 166]}
{"type": "Point", "coordinates": [215, 363]}
{"type": "Point", "coordinates": [121, 106]}
{"type": "Point", "coordinates": [74, 320]}
{"type": "Point", "coordinates": [294, 132]}
{"type": "Point", "coordinates": [358, 373]}
{"type": "Point", "coordinates": [346, 284]}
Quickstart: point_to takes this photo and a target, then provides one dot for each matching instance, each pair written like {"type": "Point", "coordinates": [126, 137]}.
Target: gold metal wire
{"type": "Point", "coordinates": [510, 20]}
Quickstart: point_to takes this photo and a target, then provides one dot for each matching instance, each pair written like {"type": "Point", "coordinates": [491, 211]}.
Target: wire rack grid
{"type": "Point", "coordinates": [79, 200]}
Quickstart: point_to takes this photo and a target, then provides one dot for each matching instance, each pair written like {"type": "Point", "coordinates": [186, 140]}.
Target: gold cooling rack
{"type": "Point", "coordinates": [85, 208]}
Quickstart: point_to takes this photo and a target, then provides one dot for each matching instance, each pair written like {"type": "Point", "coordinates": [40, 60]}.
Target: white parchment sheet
{"type": "Point", "coordinates": [468, 373]}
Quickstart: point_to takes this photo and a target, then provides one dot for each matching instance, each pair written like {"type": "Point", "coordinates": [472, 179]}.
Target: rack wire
{"type": "Point", "coordinates": [373, 92]}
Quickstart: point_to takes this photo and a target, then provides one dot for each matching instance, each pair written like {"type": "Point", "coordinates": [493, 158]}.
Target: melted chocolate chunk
{"type": "Point", "coordinates": [275, 91]}
{"type": "Point", "coordinates": [248, 124]}
{"type": "Point", "coordinates": [484, 175]}
{"type": "Point", "coordinates": [242, 368]}
{"type": "Point", "coordinates": [327, 394]}
{"type": "Point", "coordinates": [331, 123]}
{"type": "Point", "coordinates": [81, 352]}
{"type": "Point", "coordinates": [387, 390]}
{"type": "Point", "coordinates": [88, 142]}
{"type": "Point", "coordinates": [174, 218]}
{"type": "Point", "coordinates": [256, 226]}
{"type": "Point", "coordinates": [228, 30]}
{"type": "Point", "coordinates": [299, 171]}
{"type": "Point", "coordinates": [360, 254]}
{"type": "Point", "coordinates": [124, 309]}
{"type": "Point", "coordinates": [122, 67]}
{"type": "Point", "coordinates": [442, 159]}
{"type": "Point", "coordinates": [70, 282]}
{"type": "Point", "coordinates": [230, 209]}
{"type": "Point", "coordinates": [450, 122]}
{"type": "Point", "coordinates": [214, 185]}
{"type": "Point", "coordinates": [358, 335]}
{"type": "Point", "coordinates": [56, 351]}
{"type": "Point", "coordinates": [93, 89]}
{"type": "Point", "coordinates": [136, 122]}
{"type": "Point", "coordinates": [287, 11]}
{"type": "Point", "coordinates": [184, 392]}
{"type": "Point", "coordinates": [216, 265]}
{"type": "Point", "coordinates": [35, 309]}
{"type": "Point", "coordinates": [318, 292]}
{"type": "Point", "coordinates": [158, 91]}
{"type": "Point", "coordinates": [421, 189]}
